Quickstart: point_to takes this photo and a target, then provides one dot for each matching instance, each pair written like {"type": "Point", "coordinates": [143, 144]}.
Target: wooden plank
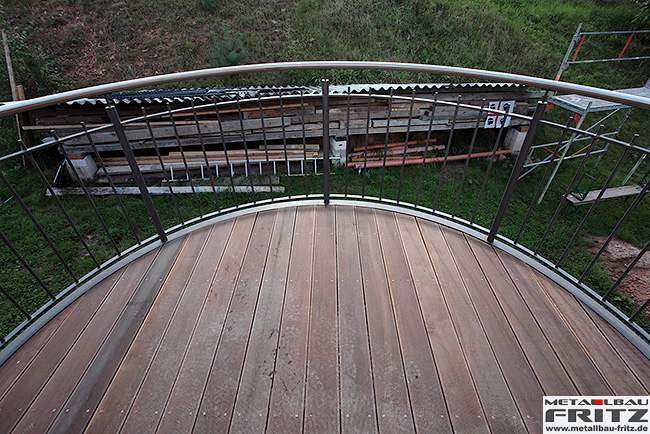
{"type": "Point", "coordinates": [635, 360]}
{"type": "Point", "coordinates": [547, 368]}
{"type": "Point", "coordinates": [183, 403]}
{"type": "Point", "coordinates": [286, 405]}
{"type": "Point", "coordinates": [497, 400]}
{"type": "Point", "coordinates": [151, 399]}
{"type": "Point", "coordinates": [483, 276]}
{"type": "Point", "coordinates": [393, 407]}
{"type": "Point", "coordinates": [14, 366]}
{"type": "Point", "coordinates": [577, 363]}
{"type": "Point", "coordinates": [219, 396]}
{"type": "Point", "coordinates": [91, 387]}
{"type": "Point", "coordinates": [322, 387]}
{"type": "Point", "coordinates": [157, 191]}
{"type": "Point", "coordinates": [50, 401]}
{"type": "Point", "coordinates": [252, 401]}
{"type": "Point", "coordinates": [425, 391]}
{"type": "Point", "coordinates": [610, 193]}
{"type": "Point", "coordinates": [466, 413]}
{"type": "Point", "coordinates": [114, 406]}
{"type": "Point", "coordinates": [18, 398]}
{"type": "Point", "coordinates": [357, 396]}
{"type": "Point", "coordinates": [617, 374]}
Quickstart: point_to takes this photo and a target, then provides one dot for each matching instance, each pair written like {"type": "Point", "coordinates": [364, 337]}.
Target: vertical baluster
{"type": "Point", "coordinates": [326, 141]}
{"type": "Point", "coordinates": [110, 181]}
{"type": "Point", "coordinates": [15, 303]}
{"type": "Point", "coordinates": [38, 226]}
{"type": "Point", "coordinates": [347, 141]}
{"type": "Point", "coordinates": [469, 156]}
{"type": "Point", "coordinates": [304, 141]}
{"type": "Point", "coordinates": [40, 173]}
{"type": "Point", "coordinates": [135, 170]}
{"type": "Point", "coordinates": [541, 182]}
{"type": "Point", "coordinates": [447, 149]}
{"type": "Point", "coordinates": [572, 185]}
{"type": "Point", "coordinates": [593, 205]}
{"type": "Point", "coordinates": [365, 153]}
{"type": "Point", "coordinates": [243, 137]}
{"type": "Point", "coordinates": [266, 148]}
{"type": "Point", "coordinates": [487, 173]}
{"type": "Point", "coordinates": [426, 148]}
{"type": "Point", "coordinates": [182, 151]}
{"type": "Point", "coordinates": [162, 165]}
{"type": "Point", "coordinates": [205, 156]}
{"type": "Point", "coordinates": [383, 166]}
{"type": "Point", "coordinates": [406, 141]}
{"type": "Point", "coordinates": [31, 270]}
{"type": "Point", "coordinates": [225, 152]}
{"type": "Point", "coordinates": [516, 171]}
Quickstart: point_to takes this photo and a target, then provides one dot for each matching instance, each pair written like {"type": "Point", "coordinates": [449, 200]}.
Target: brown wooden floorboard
{"type": "Point", "coordinates": [480, 276]}
{"type": "Point", "coordinates": [316, 319]}
{"type": "Point", "coordinates": [498, 403]}
{"type": "Point", "coordinates": [613, 369]}
{"type": "Point", "coordinates": [357, 394]}
{"type": "Point", "coordinates": [463, 403]}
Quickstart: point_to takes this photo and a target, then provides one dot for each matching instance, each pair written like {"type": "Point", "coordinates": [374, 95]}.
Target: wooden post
{"type": "Point", "coordinates": [10, 69]}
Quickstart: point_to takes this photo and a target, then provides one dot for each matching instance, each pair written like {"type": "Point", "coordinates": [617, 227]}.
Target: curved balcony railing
{"type": "Point", "coordinates": [250, 151]}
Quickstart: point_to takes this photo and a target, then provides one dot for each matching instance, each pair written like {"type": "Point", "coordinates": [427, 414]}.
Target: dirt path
{"type": "Point", "coordinates": [616, 258]}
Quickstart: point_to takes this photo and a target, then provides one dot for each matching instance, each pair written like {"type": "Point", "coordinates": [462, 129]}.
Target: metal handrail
{"type": "Point", "coordinates": [489, 233]}
{"type": "Point", "coordinates": [31, 104]}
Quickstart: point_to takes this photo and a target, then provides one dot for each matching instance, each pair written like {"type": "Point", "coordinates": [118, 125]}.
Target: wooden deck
{"type": "Point", "coordinates": [316, 319]}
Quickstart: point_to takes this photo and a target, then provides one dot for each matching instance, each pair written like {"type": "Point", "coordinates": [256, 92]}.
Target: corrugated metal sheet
{"type": "Point", "coordinates": [229, 94]}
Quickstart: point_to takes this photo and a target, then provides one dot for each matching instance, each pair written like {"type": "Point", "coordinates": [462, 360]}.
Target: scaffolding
{"type": "Point", "coordinates": [582, 106]}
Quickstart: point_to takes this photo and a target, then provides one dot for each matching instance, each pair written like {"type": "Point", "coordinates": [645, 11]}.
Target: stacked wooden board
{"type": "Point", "coordinates": [263, 127]}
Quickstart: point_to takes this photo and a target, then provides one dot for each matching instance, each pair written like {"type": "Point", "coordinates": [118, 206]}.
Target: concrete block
{"type": "Point", "coordinates": [515, 138]}
{"type": "Point", "coordinates": [85, 166]}
{"type": "Point", "coordinates": [338, 148]}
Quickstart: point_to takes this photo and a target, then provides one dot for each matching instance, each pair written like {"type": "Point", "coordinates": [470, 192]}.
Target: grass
{"type": "Point", "coordinates": [61, 44]}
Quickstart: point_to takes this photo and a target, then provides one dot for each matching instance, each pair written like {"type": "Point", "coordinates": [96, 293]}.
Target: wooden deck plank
{"type": "Point", "coordinates": [14, 366]}
{"type": "Point", "coordinates": [255, 385]}
{"type": "Point", "coordinates": [480, 276]}
{"type": "Point", "coordinates": [91, 387]}
{"type": "Point", "coordinates": [547, 367]}
{"type": "Point", "coordinates": [357, 395]}
{"type": "Point", "coordinates": [391, 394]}
{"type": "Point", "coordinates": [499, 405]}
{"type": "Point", "coordinates": [322, 413]}
{"type": "Point", "coordinates": [460, 394]}
{"type": "Point", "coordinates": [186, 394]}
{"type": "Point", "coordinates": [425, 392]}
{"type": "Point", "coordinates": [635, 360]}
{"type": "Point", "coordinates": [118, 398]}
{"type": "Point", "coordinates": [216, 409]}
{"type": "Point", "coordinates": [287, 392]}
{"type": "Point", "coordinates": [50, 401]}
{"type": "Point", "coordinates": [577, 363]}
{"type": "Point", "coordinates": [18, 399]}
{"type": "Point", "coordinates": [149, 404]}
{"type": "Point", "coordinates": [617, 374]}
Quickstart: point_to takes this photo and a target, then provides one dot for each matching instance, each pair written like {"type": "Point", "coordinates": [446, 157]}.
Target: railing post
{"type": "Point", "coordinates": [326, 141]}
{"type": "Point", "coordinates": [516, 171]}
{"type": "Point", "coordinates": [137, 175]}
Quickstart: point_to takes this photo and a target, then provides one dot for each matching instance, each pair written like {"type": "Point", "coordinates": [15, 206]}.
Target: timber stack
{"type": "Point", "coordinates": [256, 130]}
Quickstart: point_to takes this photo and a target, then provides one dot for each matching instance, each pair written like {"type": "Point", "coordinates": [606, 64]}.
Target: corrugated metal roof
{"type": "Point", "coordinates": [229, 94]}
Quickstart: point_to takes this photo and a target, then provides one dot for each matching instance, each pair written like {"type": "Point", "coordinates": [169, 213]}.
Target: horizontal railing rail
{"type": "Point", "coordinates": [418, 151]}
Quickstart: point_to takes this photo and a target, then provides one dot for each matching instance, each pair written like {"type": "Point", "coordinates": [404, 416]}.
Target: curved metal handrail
{"type": "Point", "coordinates": [31, 104]}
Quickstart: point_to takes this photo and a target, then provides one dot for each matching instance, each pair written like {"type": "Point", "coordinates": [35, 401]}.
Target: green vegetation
{"type": "Point", "coordinates": [62, 44]}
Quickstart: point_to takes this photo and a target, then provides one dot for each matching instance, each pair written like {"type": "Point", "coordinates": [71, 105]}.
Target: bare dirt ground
{"type": "Point", "coordinates": [616, 258]}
